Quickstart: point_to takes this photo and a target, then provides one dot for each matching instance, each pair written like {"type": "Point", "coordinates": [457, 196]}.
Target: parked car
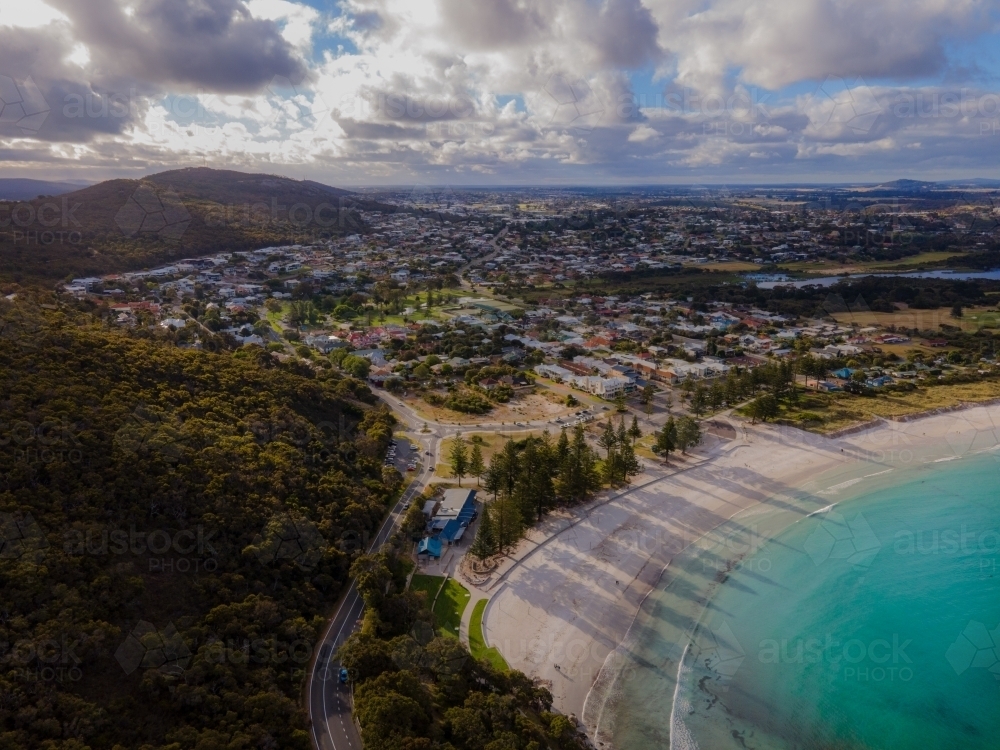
{"type": "Point", "coordinates": [343, 676]}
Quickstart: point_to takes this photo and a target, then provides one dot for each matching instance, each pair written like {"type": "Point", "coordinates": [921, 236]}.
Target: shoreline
{"type": "Point", "coordinates": [566, 614]}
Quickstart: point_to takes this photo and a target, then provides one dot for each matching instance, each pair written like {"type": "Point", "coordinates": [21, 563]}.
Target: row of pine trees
{"type": "Point", "coordinates": [528, 478]}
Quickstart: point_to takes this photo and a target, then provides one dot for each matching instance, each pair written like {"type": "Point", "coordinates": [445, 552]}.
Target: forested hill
{"type": "Point", "coordinates": [122, 225]}
{"type": "Point", "coordinates": [174, 525]}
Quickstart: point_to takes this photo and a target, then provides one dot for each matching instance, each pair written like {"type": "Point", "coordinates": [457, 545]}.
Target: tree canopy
{"type": "Point", "coordinates": [174, 527]}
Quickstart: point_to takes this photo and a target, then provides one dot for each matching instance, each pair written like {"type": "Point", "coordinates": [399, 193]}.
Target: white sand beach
{"type": "Point", "coordinates": [560, 612]}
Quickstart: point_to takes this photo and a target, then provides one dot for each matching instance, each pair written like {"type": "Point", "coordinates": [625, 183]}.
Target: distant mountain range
{"type": "Point", "coordinates": [124, 224]}
{"type": "Point", "coordinates": [23, 189]}
{"type": "Point", "coordinates": [921, 185]}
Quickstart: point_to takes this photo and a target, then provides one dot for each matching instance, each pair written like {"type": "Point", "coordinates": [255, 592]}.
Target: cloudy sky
{"type": "Point", "coordinates": [483, 92]}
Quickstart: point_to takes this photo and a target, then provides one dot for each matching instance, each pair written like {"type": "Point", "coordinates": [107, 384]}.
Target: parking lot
{"type": "Point", "coordinates": [402, 455]}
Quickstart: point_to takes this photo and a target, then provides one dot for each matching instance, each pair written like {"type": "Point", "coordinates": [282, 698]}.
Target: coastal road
{"type": "Point", "coordinates": [329, 701]}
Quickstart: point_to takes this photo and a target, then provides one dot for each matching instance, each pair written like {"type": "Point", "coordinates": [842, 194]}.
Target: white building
{"type": "Point", "coordinates": [606, 388]}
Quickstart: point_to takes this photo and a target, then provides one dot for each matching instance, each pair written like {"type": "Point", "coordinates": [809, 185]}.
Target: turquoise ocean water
{"type": "Point", "coordinates": [874, 622]}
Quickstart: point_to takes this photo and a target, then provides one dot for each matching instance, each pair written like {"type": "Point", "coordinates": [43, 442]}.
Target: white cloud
{"type": "Point", "coordinates": [774, 43]}
{"type": "Point", "coordinates": [298, 21]}
{"type": "Point", "coordinates": [80, 56]}
{"type": "Point", "coordinates": [28, 14]}
{"type": "Point", "coordinates": [516, 89]}
{"type": "Point", "coordinates": [642, 134]}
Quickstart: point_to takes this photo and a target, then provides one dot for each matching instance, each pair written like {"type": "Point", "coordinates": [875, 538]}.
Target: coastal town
{"type": "Point", "coordinates": [558, 393]}
{"type": "Point", "coordinates": [499, 375]}
{"type": "Point", "coordinates": [466, 302]}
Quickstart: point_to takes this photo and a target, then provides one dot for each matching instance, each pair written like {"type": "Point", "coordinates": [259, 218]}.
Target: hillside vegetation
{"type": "Point", "coordinates": [122, 225]}
{"type": "Point", "coordinates": [174, 527]}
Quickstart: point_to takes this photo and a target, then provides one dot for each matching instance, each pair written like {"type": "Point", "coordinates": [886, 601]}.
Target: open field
{"type": "Point", "coordinates": [731, 266]}
{"type": "Point", "coordinates": [277, 319]}
{"type": "Point", "coordinates": [523, 407]}
{"type": "Point", "coordinates": [826, 412]}
{"type": "Point", "coordinates": [477, 643]}
{"type": "Point", "coordinates": [830, 268]}
{"type": "Point", "coordinates": [427, 584]}
{"type": "Point", "coordinates": [973, 319]}
{"type": "Point", "coordinates": [491, 442]}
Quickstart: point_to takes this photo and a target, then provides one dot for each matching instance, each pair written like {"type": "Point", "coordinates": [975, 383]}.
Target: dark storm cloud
{"type": "Point", "coordinates": [625, 34]}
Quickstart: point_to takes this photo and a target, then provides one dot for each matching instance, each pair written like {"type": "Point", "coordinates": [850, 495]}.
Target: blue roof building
{"type": "Point", "coordinates": [456, 511]}
{"type": "Point", "coordinates": [428, 546]}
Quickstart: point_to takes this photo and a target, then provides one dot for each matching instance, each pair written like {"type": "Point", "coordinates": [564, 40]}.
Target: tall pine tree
{"type": "Point", "coordinates": [485, 544]}
{"type": "Point", "coordinates": [476, 466]}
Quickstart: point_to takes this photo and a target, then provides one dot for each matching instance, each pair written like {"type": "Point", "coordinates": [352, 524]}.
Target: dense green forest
{"type": "Point", "coordinates": [174, 527]}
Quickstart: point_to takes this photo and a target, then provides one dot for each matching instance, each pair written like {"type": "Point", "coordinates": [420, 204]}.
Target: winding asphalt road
{"type": "Point", "coordinates": [329, 701]}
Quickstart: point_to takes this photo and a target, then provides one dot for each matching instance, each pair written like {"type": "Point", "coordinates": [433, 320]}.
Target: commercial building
{"type": "Point", "coordinates": [453, 515]}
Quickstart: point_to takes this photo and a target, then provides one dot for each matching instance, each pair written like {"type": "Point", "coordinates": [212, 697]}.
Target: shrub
{"type": "Point", "coordinates": [468, 402]}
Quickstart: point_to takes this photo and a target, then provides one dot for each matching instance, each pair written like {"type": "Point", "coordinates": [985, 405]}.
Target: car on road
{"type": "Point", "coordinates": [343, 676]}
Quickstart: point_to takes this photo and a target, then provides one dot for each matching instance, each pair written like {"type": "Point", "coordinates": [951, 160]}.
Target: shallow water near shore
{"type": "Point", "coordinates": [865, 615]}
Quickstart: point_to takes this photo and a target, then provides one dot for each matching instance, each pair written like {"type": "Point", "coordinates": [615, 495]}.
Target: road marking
{"type": "Point", "coordinates": [394, 515]}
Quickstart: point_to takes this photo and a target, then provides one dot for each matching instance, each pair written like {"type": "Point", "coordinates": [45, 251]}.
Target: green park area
{"type": "Point", "coordinates": [450, 604]}
{"type": "Point", "coordinates": [477, 642]}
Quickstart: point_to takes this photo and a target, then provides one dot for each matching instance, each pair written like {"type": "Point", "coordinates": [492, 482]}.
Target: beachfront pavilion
{"type": "Point", "coordinates": [453, 516]}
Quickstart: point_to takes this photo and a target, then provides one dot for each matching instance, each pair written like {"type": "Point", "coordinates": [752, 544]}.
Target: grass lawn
{"type": "Point", "coordinates": [449, 608]}
{"type": "Point", "coordinates": [492, 442]}
{"type": "Point", "coordinates": [450, 605]}
{"type": "Point", "coordinates": [430, 584]}
{"type": "Point", "coordinates": [277, 319]}
{"type": "Point", "coordinates": [644, 447]}
{"type": "Point", "coordinates": [477, 644]}
{"type": "Point", "coordinates": [731, 266]}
